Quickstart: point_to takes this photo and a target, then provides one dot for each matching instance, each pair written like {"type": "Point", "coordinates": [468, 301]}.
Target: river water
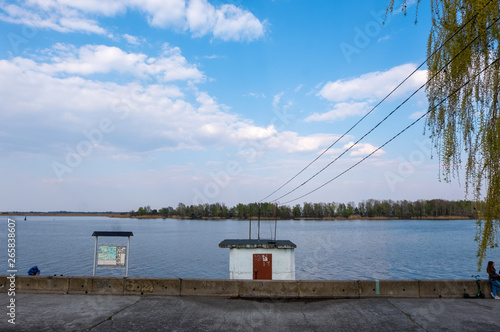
{"type": "Point", "coordinates": [331, 250]}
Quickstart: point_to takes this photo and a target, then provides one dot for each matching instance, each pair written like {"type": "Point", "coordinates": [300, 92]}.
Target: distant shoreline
{"type": "Point", "coordinates": [126, 215]}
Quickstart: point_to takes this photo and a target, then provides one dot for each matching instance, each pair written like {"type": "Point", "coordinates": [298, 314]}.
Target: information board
{"type": "Point", "coordinates": [109, 255]}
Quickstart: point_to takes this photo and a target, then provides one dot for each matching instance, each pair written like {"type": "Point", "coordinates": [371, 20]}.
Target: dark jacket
{"type": "Point", "coordinates": [33, 271]}
{"type": "Point", "coordinates": [494, 275]}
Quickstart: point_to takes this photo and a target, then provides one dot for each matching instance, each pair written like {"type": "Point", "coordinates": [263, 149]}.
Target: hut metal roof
{"type": "Point", "coordinates": [112, 233]}
{"type": "Point", "coordinates": [250, 244]}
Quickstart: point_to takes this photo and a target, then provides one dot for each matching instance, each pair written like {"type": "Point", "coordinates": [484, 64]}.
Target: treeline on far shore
{"type": "Point", "coordinates": [382, 209]}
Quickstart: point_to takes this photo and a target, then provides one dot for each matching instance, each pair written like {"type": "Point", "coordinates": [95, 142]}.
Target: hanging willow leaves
{"type": "Point", "coordinates": [465, 128]}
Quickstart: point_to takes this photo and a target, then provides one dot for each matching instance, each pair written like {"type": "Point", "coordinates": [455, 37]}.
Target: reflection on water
{"type": "Point", "coordinates": [334, 249]}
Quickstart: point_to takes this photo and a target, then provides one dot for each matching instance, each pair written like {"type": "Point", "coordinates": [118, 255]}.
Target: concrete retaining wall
{"type": "Point", "coordinates": [246, 288]}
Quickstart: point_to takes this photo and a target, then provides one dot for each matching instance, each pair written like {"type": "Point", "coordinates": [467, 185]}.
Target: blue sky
{"type": "Point", "coordinates": [112, 105]}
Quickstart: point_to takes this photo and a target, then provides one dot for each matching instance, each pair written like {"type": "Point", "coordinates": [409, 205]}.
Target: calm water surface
{"type": "Point", "coordinates": [334, 249]}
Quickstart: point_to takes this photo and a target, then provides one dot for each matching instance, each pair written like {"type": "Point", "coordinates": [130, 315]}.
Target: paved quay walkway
{"type": "Point", "coordinates": [52, 312]}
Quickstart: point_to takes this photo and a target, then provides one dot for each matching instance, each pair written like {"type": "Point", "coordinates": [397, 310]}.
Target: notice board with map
{"type": "Point", "coordinates": [111, 255]}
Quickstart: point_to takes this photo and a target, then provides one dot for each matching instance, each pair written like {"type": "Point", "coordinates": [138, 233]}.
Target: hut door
{"type": "Point", "coordinates": [263, 266]}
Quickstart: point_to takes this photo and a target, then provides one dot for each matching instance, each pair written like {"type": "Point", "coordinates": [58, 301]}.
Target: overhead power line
{"type": "Point", "coordinates": [388, 115]}
{"type": "Point", "coordinates": [395, 136]}
{"type": "Point", "coordinates": [380, 102]}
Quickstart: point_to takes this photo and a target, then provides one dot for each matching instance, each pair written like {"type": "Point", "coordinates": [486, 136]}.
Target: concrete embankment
{"type": "Point", "coordinates": [246, 288]}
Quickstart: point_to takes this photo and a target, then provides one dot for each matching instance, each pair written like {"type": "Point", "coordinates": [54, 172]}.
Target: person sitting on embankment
{"type": "Point", "coordinates": [34, 271]}
{"type": "Point", "coordinates": [494, 277]}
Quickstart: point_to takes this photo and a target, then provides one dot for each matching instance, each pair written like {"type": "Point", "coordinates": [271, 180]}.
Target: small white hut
{"type": "Point", "coordinates": [261, 259]}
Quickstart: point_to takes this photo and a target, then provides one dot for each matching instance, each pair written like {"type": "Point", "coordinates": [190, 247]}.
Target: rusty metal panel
{"type": "Point", "coordinates": [263, 266]}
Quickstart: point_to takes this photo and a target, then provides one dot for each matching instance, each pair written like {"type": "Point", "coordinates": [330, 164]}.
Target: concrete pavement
{"type": "Point", "coordinates": [53, 312]}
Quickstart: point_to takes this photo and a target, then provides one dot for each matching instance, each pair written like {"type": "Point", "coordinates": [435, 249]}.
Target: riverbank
{"type": "Point", "coordinates": [156, 216]}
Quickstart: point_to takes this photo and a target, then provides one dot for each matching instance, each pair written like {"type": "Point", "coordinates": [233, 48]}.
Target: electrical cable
{"type": "Point", "coordinates": [392, 112]}
{"type": "Point", "coordinates": [380, 102]}
{"type": "Point", "coordinates": [395, 136]}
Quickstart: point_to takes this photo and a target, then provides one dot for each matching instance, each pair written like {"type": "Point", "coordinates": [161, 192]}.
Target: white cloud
{"type": "Point", "coordinates": [362, 149]}
{"type": "Point", "coordinates": [52, 17]}
{"type": "Point", "coordinates": [247, 131]}
{"type": "Point", "coordinates": [291, 142]}
{"type": "Point", "coordinates": [226, 22]}
{"type": "Point", "coordinates": [101, 59]}
{"type": "Point", "coordinates": [375, 85]}
{"type": "Point", "coordinates": [288, 105]}
{"type": "Point", "coordinates": [255, 95]}
{"type": "Point", "coordinates": [52, 99]}
{"type": "Point", "coordinates": [201, 17]}
{"type": "Point", "coordinates": [132, 39]}
{"type": "Point", "coordinates": [314, 89]}
{"type": "Point", "coordinates": [417, 115]}
{"type": "Point", "coordinates": [233, 23]}
{"type": "Point", "coordinates": [208, 104]}
{"type": "Point", "coordinates": [80, 24]}
{"type": "Point", "coordinates": [103, 7]}
{"type": "Point", "coordinates": [340, 111]}
{"type": "Point", "coordinates": [162, 13]}
{"type": "Point", "coordinates": [386, 37]}
{"type": "Point", "coordinates": [213, 56]}
{"type": "Point", "coordinates": [277, 98]}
